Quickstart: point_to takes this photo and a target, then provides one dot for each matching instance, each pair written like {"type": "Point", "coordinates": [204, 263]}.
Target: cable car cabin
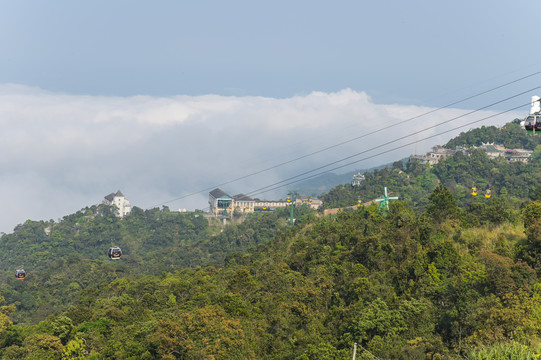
{"type": "Point", "coordinates": [488, 193]}
{"type": "Point", "coordinates": [533, 123]}
{"type": "Point", "coordinates": [474, 191]}
{"type": "Point", "coordinates": [114, 253]}
{"type": "Point", "coordinates": [20, 274]}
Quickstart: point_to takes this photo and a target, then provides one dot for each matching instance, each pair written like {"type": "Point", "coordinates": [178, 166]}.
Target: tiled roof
{"type": "Point", "coordinates": [217, 193]}
{"type": "Point", "coordinates": [242, 197]}
{"type": "Point", "coordinates": [111, 196]}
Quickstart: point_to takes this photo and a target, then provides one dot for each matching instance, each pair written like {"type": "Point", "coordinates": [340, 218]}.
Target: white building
{"type": "Point", "coordinates": [243, 203]}
{"type": "Point", "coordinates": [433, 157]}
{"type": "Point", "coordinates": [357, 179]}
{"type": "Point", "coordinates": [121, 204]}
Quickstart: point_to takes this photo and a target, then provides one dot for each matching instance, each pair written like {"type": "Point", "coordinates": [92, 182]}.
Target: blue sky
{"type": "Point", "coordinates": [397, 51]}
{"type": "Point", "coordinates": [163, 99]}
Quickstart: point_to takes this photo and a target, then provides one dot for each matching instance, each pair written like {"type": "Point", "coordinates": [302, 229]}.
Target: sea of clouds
{"type": "Point", "coordinates": [60, 152]}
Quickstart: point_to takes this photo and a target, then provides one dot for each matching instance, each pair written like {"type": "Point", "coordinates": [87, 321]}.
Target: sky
{"type": "Point", "coordinates": [162, 100]}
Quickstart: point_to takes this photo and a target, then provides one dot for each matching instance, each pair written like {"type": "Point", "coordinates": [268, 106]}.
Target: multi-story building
{"type": "Point", "coordinates": [433, 157]}
{"type": "Point", "coordinates": [244, 203]}
{"type": "Point", "coordinates": [492, 150]}
{"type": "Point", "coordinates": [357, 179]}
{"type": "Point", "coordinates": [220, 203]}
{"type": "Point", "coordinates": [121, 204]}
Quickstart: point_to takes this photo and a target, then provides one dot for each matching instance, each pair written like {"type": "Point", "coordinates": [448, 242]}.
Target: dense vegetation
{"type": "Point", "coordinates": [413, 182]}
{"type": "Point", "coordinates": [512, 136]}
{"type": "Point", "coordinates": [441, 275]}
{"type": "Point", "coordinates": [73, 256]}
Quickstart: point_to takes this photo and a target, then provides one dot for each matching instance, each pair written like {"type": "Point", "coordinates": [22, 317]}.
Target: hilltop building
{"type": "Point", "coordinates": [357, 179]}
{"type": "Point", "coordinates": [493, 151]}
{"type": "Point", "coordinates": [220, 203]}
{"type": "Point", "coordinates": [121, 204]}
{"type": "Point", "coordinates": [313, 203]}
{"type": "Point", "coordinates": [244, 203]}
{"type": "Point", "coordinates": [433, 157]}
{"type": "Point", "coordinates": [511, 155]}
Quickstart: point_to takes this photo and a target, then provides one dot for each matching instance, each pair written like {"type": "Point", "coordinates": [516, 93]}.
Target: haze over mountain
{"type": "Point", "coordinates": [164, 100]}
{"type": "Point", "coordinates": [167, 100]}
{"type": "Point", "coordinates": [64, 152]}
{"type": "Point", "coordinates": [440, 272]}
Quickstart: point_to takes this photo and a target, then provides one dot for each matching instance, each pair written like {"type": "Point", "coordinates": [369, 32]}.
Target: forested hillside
{"type": "Point", "coordinates": [413, 182]}
{"type": "Point", "coordinates": [440, 275]}
{"type": "Point", "coordinates": [512, 136]}
{"type": "Point", "coordinates": [74, 254]}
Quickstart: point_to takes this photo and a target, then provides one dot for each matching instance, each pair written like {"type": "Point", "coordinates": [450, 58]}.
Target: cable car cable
{"type": "Point", "coordinates": [265, 189]}
{"type": "Point", "coordinates": [356, 138]}
{"type": "Point", "coordinates": [409, 135]}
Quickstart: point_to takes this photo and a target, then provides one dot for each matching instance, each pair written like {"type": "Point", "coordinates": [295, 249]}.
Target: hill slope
{"type": "Point", "coordinates": [442, 274]}
{"type": "Point", "coordinates": [413, 182]}
{"type": "Point", "coordinates": [401, 285]}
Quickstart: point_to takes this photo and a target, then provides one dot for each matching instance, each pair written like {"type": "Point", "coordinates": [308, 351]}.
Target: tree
{"type": "Point", "coordinates": [442, 205]}
{"type": "Point", "coordinates": [75, 349]}
{"type": "Point", "coordinates": [531, 252]}
{"type": "Point", "coordinates": [5, 323]}
{"type": "Point", "coordinates": [203, 333]}
{"type": "Point", "coordinates": [503, 351]}
{"type": "Point", "coordinates": [531, 213]}
{"type": "Point", "coordinates": [324, 351]}
{"type": "Point", "coordinates": [59, 326]}
{"type": "Point", "coordinates": [43, 347]}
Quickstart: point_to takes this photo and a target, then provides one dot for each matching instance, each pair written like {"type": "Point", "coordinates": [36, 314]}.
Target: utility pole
{"type": "Point", "coordinates": [354, 350]}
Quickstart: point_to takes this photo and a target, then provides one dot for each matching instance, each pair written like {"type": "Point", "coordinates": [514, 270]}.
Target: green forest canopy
{"type": "Point", "coordinates": [443, 275]}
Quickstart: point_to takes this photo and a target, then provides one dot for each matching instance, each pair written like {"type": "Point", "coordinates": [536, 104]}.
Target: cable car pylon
{"type": "Point", "coordinates": [384, 201]}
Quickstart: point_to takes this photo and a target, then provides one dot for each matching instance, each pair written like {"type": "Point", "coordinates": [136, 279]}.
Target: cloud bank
{"type": "Point", "coordinates": [61, 152]}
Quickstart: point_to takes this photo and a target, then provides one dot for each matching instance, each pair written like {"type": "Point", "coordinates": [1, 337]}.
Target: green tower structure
{"type": "Point", "coordinates": [384, 201]}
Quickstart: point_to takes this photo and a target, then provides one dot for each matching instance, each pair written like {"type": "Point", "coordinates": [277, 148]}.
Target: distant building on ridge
{"type": "Point", "coordinates": [220, 203]}
{"type": "Point", "coordinates": [357, 179]}
{"type": "Point", "coordinates": [492, 150]}
{"type": "Point", "coordinates": [121, 204]}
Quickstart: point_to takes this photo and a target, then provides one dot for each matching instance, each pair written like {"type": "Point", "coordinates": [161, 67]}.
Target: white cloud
{"type": "Point", "coordinates": [60, 152]}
